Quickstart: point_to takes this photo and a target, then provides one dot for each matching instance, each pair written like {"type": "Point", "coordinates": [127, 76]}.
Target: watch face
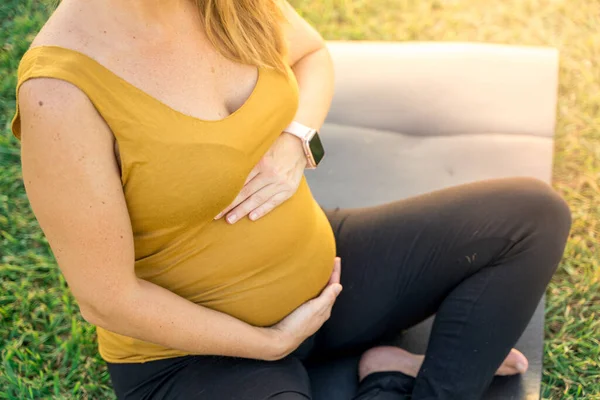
{"type": "Point", "coordinates": [316, 148]}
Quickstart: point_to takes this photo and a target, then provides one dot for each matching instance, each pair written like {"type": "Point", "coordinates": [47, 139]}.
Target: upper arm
{"type": "Point", "coordinates": [73, 184]}
{"type": "Point", "coordinates": [302, 37]}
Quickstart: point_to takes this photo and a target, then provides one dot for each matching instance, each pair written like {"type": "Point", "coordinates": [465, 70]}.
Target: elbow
{"type": "Point", "coordinates": [324, 55]}
{"type": "Point", "coordinates": [93, 314]}
{"type": "Point", "coordinates": [106, 309]}
{"type": "Point", "coordinates": [103, 313]}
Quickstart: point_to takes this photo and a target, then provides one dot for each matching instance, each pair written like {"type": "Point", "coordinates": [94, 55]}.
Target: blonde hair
{"type": "Point", "coordinates": [246, 31]}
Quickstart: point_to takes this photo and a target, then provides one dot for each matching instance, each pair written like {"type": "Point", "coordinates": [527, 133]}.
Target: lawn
{"type": "Point", "coordinates": [48, 351]}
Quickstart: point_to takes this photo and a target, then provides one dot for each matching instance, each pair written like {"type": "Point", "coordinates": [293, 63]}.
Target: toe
{"type": "Point", "coordinates": [514, 363]}
{"type": "Point", "coordinates": [520, 361]}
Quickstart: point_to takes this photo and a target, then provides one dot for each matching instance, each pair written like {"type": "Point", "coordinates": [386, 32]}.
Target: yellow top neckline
{"type": "Point", "coordinates": [107, 71]}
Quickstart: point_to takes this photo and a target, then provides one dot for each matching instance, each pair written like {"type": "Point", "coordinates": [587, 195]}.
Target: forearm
{"type": "Point", "coordinates": [151, 313]}
{"type": "Point", "coordinates": [314, 73]}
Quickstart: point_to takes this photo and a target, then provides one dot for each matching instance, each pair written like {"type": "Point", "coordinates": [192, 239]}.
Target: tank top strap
{"type": "Point", "coordinates": [78, 69]}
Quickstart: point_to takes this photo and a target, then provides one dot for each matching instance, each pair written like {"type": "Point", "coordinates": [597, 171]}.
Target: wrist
{"type": "Point", "coordinates": [277, 345]}
{"type": "Point", "coordinates": [296, 143]}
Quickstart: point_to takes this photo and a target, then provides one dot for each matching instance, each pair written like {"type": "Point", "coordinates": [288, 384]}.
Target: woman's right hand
{"type": "Point", "coordinates": [309, 317]}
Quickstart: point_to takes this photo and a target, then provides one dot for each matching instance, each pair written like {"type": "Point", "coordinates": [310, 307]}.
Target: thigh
{"type": "Point", "coordinates": [211, 377]}
{"type": "Point", "coordinates": [401, 259]}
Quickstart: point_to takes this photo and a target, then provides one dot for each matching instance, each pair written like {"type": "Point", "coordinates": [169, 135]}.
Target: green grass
{"type": "Point", "coordinates": [48, 351]}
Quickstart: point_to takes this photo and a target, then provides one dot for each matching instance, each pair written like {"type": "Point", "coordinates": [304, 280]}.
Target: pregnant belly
{"type": "Point", "coordinates": [257, 271]}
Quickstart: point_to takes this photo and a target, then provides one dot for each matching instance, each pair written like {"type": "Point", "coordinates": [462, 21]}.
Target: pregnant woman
{"type": "Point", "coordinates": [164, 144]}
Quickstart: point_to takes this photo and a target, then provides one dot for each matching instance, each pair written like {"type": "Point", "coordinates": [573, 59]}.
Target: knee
{"type": "Point", "coordinates": [539, 204]}
{"type": "Point", "coordinates": [542, 219]}
{"type": "Point", "coordinates": [542, 222]}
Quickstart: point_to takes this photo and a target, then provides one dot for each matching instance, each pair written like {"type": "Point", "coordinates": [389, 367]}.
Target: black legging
{"type": "Point", "coordinates": [477, 255]}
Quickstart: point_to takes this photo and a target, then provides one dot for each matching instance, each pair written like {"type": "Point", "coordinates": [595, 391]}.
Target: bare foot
{"type": "Point", "coordinates": [391, 358]}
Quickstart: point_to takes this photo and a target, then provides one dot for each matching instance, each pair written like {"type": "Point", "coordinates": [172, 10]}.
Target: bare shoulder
{"type": "Point", "coordinates": [74, 27]}
{"type": "Point", "coordinates": [52, 93]}
{"type": "Point", "coordinates": [53, 104]}
{"type": "Point", "coordinates": [60, 126]}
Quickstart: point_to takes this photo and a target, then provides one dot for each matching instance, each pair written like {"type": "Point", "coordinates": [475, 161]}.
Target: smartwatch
{"type": "Point", "coordinates": [311, 142]}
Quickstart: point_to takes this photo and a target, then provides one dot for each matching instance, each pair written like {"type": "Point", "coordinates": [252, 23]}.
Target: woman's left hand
{"type": "Point", "coordinates": [272, 181]}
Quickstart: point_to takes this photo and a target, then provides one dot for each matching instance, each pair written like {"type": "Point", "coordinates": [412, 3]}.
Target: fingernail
{"type": "Point", "coordinates": [521, 367]}
{"type": "Point", "coordinates": [337, 289]}
{"type": "Point", "coordinates": [253, 216]}
{"type": "Point", "coordinates": [231, 218]}
{"type": "Point", "coordinates": [218, 216]}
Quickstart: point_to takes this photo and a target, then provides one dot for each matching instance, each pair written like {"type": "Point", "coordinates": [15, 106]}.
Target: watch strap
{"type": "Point", "coordinates": [300, 130]}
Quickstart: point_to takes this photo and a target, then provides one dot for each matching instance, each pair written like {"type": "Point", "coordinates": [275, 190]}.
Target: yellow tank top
{"type": "Point", "coordinates": [178, 172]}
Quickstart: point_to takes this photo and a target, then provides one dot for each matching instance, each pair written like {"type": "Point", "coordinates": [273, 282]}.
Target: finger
{"type": "Point", "coordinates": [327, 297]}
{"type": "Point", "coordinates": [331, 297]}
{"type": "Point", "coordinates": [337, 271]}
{"type": "Point", "coordinates": [252, 174]}
{"type": "Point", "coordinates": [260, 197]}
{"type": "Point", "coordinates": [269, 205]}
{"type": "Point", "coordinates": [257, 183]}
